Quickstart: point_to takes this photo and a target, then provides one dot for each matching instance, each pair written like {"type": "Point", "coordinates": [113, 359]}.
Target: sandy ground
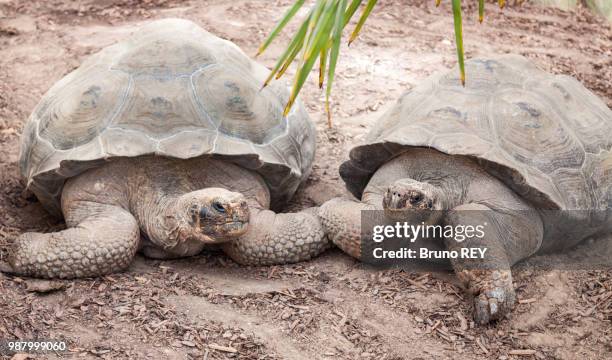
{"type": "Point", "coordinates": [333, 307]}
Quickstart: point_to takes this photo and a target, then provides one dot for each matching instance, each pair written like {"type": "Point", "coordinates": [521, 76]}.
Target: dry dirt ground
{"type": "Point", "coordinates": [332, 307]}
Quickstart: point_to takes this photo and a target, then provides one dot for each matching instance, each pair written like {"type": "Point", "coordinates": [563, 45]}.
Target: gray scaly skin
{"type": "Point", "coordinates": [178, 206]}
{"type": "Point", "coordinates": [427, 179]}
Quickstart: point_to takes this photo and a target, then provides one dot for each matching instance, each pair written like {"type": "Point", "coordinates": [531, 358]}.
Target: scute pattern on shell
{"type": "Point", "coordinates": [172, 89]}
{"type": "Point", "coordinates": [545, 136]}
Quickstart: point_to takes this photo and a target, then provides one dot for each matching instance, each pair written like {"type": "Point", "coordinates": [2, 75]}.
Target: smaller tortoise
{"type": "Point", "coordinates": [166, 135]}
{"type": "Point", "coordinates": [527, 153]}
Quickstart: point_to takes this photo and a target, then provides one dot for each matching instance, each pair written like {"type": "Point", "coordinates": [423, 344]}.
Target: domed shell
{"type": "Point", "coordinates": [172, 89]}
{"type": "Point", "coordinates": [545, 136]}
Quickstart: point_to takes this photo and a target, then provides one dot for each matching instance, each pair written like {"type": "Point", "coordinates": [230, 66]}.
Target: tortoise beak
{"type": "Point", "coordinates": [405, 199]}
{"type": "Point", "coordinates": [234, 220]}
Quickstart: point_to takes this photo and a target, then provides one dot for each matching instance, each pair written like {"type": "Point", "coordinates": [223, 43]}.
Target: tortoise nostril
{"type": "Point", "coordinates": [204, 213]}
{"type": "Point", "coordinates": [218, 207]}
{"type": "Point", "coordinates": [416, 198]}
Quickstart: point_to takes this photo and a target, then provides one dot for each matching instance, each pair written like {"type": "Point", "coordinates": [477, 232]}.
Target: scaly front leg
{"type": "Point", "coordinates": [508, 236]}
{"type": "Point", "coordinates": [103, 241]}
{"type": "Point", "coordinates": [278, 238]}
{"type": "Point", "coordinates": [341, 219]}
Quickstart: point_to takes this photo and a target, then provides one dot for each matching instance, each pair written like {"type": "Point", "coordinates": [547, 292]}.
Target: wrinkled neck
{"type": "Point", "coordinates": [447, 196]}
{"type": "Point", "coordinates": [154, 201]}
{"type": "Point", "coordinates": [158, 218]}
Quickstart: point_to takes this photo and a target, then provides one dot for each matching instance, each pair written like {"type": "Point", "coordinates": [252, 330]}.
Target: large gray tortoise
{"type": "Point", "coordinates": [166, 135]}
{"type": "Point", "coordinates": [527, 153]}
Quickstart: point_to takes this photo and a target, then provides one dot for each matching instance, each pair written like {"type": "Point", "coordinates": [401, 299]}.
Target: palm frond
{"type": "Point", "coordinates": [339, 25]}
{"type": "Point", "coordinates": [281, 25]}
{"type": "Point", "coordinates": [362, 19]}
{"type": "Point", "coordinates": [459, 38]}
{"type": "Point", "coordinates": [319, 37]}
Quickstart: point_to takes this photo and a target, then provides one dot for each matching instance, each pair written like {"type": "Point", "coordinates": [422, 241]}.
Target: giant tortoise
{"type": "Point", "coordinates": [524, 154]}
{"type": "Point", "coordinates": [165, 143]}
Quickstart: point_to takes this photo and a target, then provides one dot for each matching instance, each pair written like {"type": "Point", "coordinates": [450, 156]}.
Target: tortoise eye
{"type": "Point", "coordinates": [416, 198]}
{"type": "Point", "coordinates": [218, 207]}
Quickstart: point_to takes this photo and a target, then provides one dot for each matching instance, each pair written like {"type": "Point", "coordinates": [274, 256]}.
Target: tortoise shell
{"type": "Point", "coordinates": [172, 89]}
{"type": "Point", "coordinates": [546, 136]}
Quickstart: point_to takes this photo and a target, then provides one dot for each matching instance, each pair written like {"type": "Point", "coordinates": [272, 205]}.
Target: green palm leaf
{"type": "Point", "coordinates": [459, 38]}
{"type": "Point", "coordinates": [362, 19]}
{"type": "Point", "coordinates": [317, 40]}
{"type": "Point", "coordinates": [290, 53]}
{"type": "Point", "coordinates": [322, 66]}
{"type": "Point", "coordinates": [320, 34]}
{"type": "Point", "coordinates": [281, 25]}
{"type": "Point", "coordinates": [339, 25]}
{"type": "Point", "coordinates": [348, 15]}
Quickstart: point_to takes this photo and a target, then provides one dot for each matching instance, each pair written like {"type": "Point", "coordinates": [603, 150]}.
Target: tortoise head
{"type": "Point", "coordinates": [211, 215]}
{"type": "Point", "coordinates": [408, 199]}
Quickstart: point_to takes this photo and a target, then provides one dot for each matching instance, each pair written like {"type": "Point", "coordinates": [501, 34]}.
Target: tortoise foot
{"type": "Point", "coordinates": [493, 291]}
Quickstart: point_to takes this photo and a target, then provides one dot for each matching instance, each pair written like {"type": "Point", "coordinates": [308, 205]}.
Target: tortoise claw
{"type": "Point", "coordinates": [493, 303]}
